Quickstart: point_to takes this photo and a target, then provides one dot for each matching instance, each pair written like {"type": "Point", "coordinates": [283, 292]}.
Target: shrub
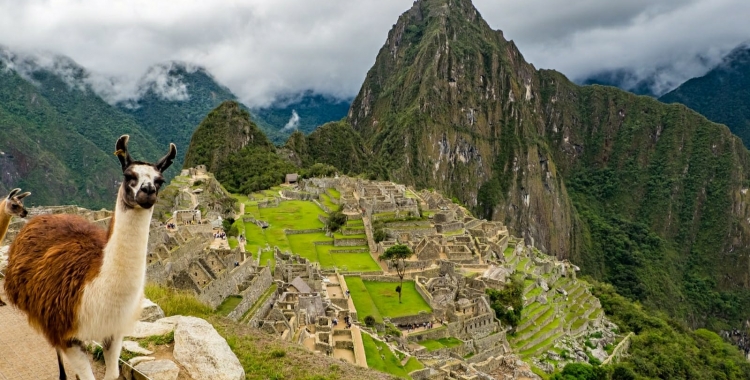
{"type": "Point", "coordinates": [369, 321]}
{"type": "Point", "coordinates": [379, 235]}
{"type": "Point", "coordinates": [391, 329]}
{"type": "Point", "coordinates": [336, 220]}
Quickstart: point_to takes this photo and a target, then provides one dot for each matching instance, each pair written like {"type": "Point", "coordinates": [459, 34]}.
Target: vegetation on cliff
{"type": "Point", "coordinates": [722, 94]}
{"type": "Point", "coordinates": [664, 348]}
{"type": "Point", "coordinates": [56, 140]}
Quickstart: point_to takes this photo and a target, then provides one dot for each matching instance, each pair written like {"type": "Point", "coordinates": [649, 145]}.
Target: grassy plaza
{"type": "Point", "coordinates": [380, 299]}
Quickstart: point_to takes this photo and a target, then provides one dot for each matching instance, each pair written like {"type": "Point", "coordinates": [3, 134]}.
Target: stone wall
{"type": "Point", "coordinates": [488, 342]}
{"type": "Point", "coordinates": [300, 196]}
{"type": "Point", "coordinates": [484, 355]}
{"type": "Point", "coordinates": [177, 260]}
{"type": "Point", "coordinates": [300, 232]}
{"type": "Point", "coordinates": [353, 250]}
{"type": "Point", "coordinates": [226, 284]}
{"type": "Point", "coordinates": [412, 319]}
{"type": "Point", "coordinates": [438, 333]}
{"type": "Point", "coordinates": [263, 310]}
{"type": "Point", "coordinates": [349, 242]}
{"type": "Point", "coordinates": [258, 286]}
{"type": "Point", "coordinates": [447, 227]}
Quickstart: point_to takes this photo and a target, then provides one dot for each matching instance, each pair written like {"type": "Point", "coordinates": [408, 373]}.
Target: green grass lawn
{"type": "Point", "coordinates": [228, 305]}
{"type": "Point", "coordinates": [380, 299]}
{"type": "Point", "coordinates": [436, 344]}
{"type": "Point", "coordinates": [294, 215]}
{"type": "Point", "coordinates": [265, 256]}
{"type": "Point", "coordinates": [303, 244]}
{"type": "Point", "coordinates": [326, 201]}
{"type": "Point", "coordinates": [362, 301]}
{"type": "Point", "coordinates": [233, 243]}
{"type": "Point", "coordinates": [256, 238]}
{"type": "Point", "coordinates": [334, 193]}
{"type": "Point", "coordinates": [355, 223]}
{"type": "Point", "coordinates": [385, 297]}
{"type": "Point", "coordinates": [391, 364]}
{"type": "Point", "coordinates": [508, 251]}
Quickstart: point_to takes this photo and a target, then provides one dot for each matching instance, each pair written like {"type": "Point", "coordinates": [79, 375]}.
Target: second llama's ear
{"type": "Point", "coordinates": [122, 152]}
{"type": "Point", "coordinates": [13, 193]}
{"type": "Point", "coordinates": [166, 161]}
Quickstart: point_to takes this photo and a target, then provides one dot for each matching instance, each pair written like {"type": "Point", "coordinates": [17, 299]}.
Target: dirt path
{"type": "Point", "coordinates": [24, 354]}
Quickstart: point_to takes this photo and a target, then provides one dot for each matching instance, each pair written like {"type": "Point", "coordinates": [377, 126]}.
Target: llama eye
{"type": "Point", "coordinates": [129, 178]}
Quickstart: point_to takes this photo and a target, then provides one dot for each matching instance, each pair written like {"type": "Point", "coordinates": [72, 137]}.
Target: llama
{"type": "Point", "coordinates": [77, 282]}
{"type": "Point", "coordinates": [11, 206]}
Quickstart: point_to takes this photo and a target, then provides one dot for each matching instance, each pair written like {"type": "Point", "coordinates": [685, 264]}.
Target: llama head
{"type": "Point", "coordinates": [142, 179]}
{"type": "Point", "coordinates": [14, 203]}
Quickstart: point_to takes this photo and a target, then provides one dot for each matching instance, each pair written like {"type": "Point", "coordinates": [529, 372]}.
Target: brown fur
{"type": "Point", "coordinates": [49, 263]}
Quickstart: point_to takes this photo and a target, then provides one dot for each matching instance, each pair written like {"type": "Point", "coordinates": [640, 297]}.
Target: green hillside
{"type": "Point", "coordinates": [722, 95]}
{"type": "Point", "coordinates": [57, 140]}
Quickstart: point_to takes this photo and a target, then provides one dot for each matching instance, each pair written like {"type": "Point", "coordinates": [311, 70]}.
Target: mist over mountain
{"type": "Point", "coordinates": [722, 95]}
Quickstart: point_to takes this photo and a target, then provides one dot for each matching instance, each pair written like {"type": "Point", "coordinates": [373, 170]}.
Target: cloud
{"type": "Point", "coordinates": [664, 42]}
{"type": "Point", "coordinates": [263, 49]}
{"type": "Point", "coordinates": [293, 122]}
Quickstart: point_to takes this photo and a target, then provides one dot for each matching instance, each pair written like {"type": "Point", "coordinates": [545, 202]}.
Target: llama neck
{"type": "Point", "coordinates": [4, 221]}
{"type": "Point", "coordinates": [125, 252]}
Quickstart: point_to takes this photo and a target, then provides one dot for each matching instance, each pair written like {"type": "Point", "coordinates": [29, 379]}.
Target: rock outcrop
{"type": "Point", "coordinates": [204, 353]}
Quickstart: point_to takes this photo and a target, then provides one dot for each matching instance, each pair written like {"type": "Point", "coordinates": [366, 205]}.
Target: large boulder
{"type": "Point", "coordinates": [151, 311]}
{"type": "Point", "coordinates": [203, 353]}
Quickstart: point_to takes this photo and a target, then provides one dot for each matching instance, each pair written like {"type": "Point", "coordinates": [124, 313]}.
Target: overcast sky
{"type": "Point", "coordinates": [264, 48]}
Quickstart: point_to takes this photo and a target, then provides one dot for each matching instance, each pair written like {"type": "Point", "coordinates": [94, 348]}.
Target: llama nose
{"type": "Point", "coordinates": [148, 188]}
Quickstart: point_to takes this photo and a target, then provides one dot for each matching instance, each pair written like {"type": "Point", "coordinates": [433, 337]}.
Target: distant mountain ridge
{"type": "Point", "coordinates": [56, 129]}
{"type": "Point", "coordinates": [722, 95]}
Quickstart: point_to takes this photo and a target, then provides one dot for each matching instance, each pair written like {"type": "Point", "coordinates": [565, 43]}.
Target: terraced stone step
{"type": "Point", "coordinates": [533, 311]}
{"type": "Point", "coordinates": [530, 327]}
{"type": "Point", "coordinates": [541, 347]}
{"type": "Point", "coordinates": [541, 335]}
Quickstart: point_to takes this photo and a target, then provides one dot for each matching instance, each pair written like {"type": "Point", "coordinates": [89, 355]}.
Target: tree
{"type": "Point", "coordinates": [379, 235]}
{"type": "Point", "coordinates": [226, 224]}
{"type": "Point", "coordinates": [508, 302]}
{"type": "Point", "coordinates": [336, 220]}
{"type": "Point", "coordinates": [397, 255]}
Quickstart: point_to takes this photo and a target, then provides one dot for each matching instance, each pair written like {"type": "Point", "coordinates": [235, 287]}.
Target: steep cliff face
{"type": "Point", "coordinates": [451, 104]}
{"type": "Point", "coordinates": [650, 197]}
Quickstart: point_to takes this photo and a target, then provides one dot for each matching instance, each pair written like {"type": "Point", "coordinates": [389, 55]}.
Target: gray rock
{"type": "Point", "coordinates": [140, 359]}
{"type": "Point", "coordinates": [147, 329]}
{"type": "Point", "coordinates": [157, 370]}
{"type": "Point", "coordinates": [135, 348]}
{"type": "Point", "coordinates": [544, 285]}
{"type": "Point", "coordinates": [151, 311]}
{"type": "Point", "coordinates": [599, 354]}
{"type": "Point", "coordinates": [203, 353]}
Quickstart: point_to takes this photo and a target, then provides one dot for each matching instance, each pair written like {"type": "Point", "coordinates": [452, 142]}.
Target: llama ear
{"type": "Point", "coordinates": [13, 193]}
{"type": "Point", "coordinates": [22, 196]}
{"type": "Point", "coordinates": [166, 161]}
{"type": "Point", "coordinates": [122, 151]}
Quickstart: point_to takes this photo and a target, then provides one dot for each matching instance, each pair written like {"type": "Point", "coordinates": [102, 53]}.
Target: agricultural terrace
{"type": "Point", "coordinates": [388, 362]}
{"type": "Point", "coordinates": [316, 246]}
{"type": "Point", "coordinates": [380, 299]}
